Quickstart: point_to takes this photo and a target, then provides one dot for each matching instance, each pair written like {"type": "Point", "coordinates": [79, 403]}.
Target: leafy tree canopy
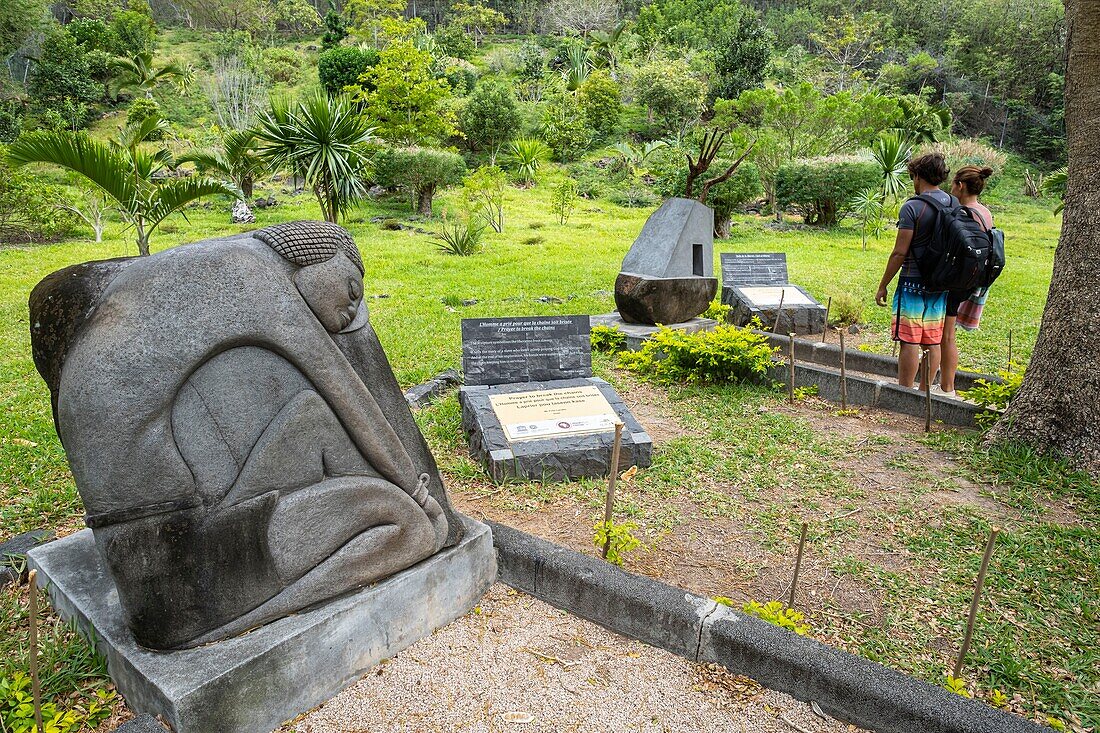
{"type": "Point", "coordinates": [402, 97]}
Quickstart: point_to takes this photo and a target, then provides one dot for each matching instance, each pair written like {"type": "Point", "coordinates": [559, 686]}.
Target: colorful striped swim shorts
{"type": "Point", "coordinates": [918, 313]}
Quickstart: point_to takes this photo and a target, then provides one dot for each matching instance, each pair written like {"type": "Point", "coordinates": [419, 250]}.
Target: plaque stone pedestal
{"type": "Point", "coordinates": [254, 682]}
{"type": "Point", "coordinates": [637, 334]}
{"type": "Point", "coordinates": [755, 284]}
{"type": "Point", "coordinates": [554, 457]}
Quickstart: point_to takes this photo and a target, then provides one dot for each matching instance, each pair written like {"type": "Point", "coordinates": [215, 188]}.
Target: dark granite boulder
{"type": "Point", "coordinates": [651, 300]}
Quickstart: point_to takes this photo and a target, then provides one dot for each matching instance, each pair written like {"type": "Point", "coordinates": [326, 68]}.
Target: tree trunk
{"type": "Point", "coordinates": [424, 201]}
{"type": "Point", "coordinates": [1057, 410]}
{"type": "Point", "coordinates": [247, 186]}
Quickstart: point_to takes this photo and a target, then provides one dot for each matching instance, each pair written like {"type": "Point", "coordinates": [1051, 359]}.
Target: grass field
{"type": "Point", "coordinates": [734, 468]}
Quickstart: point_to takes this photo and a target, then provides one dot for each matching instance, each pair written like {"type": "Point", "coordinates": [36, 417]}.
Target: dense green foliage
{"type": "Point", "coordinates": [342, 66]}
{"type": "Point", "coordinates": [28, 211]}
{"type": "Point", "coordinates": [420, 172]}
{"type": "Point", "coordinates": [821, 189]}
{"type": "Point", "coordinates": [726, 354]}
{"type": "Point", "coordinates": [490, 118]}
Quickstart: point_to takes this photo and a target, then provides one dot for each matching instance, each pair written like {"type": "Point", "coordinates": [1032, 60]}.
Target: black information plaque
{"type": "Point", "coordinates": [528, 349]}
{"type": "Point", "coordinates": [746, 269]}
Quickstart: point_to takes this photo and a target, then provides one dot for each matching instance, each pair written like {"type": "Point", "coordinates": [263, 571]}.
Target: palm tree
{"type": "Point", "coordinates": [323, 140]}
{"type": "Point", "coordinates": [527, 155]}
{"type": "Point", "coordinates": [577, 69]}
{"type": "Point", "coordinates": [124, 171]}
{"type": "Point", "coordinates": [604, 46]}
{"type": "Point", "coordinates": [238, 159]}
{"type": "Point", "coordinates": [140, 76]}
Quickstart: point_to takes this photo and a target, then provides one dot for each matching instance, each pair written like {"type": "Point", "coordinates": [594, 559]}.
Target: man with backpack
{"type": "Point", "coordinates": [919, 311]}
{"type": "Point", "coordinates": [941, 246]}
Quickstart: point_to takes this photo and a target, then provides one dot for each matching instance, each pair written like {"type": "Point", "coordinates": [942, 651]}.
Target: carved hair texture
{"type": "Point", "coordinates": [973, 178]}
{"type": "Point", "coordinates": [931, 167]}
{"type": "Point", "coordinates": [308, 243]}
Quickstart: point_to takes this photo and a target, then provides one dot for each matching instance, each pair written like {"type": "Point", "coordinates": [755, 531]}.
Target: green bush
{"type": "Point", "coordinates": [994, 396]}
{"type": "Point", "coordinates": [61, 75]}
{"type": "Point", "coordinates": [341, 67]}
{"type": "Point", "coordinates": [619, 538]}
{"type": "Point", "coordinates": [845, 310]}
{"type": "Point", "coordinates": [726, 354]}
{"type": "Point", "coordinates": [141, 109]}
{"type": "Point", "coordinates": [136, 32]}
{"type": "Point", "coordinates": [725, 198]}
{"type": "Point", "coordinates": [11, 120]}
{"type": "Point", "coordinates": [461, 75]}
{"type": "Point", "coordinates": [490, 118]}
{"type": "Point", "coordinates": [717, 311]}
{"type": "Point", "coordinates": [634, 197]}
{"type": "Point", "coordinates": [92, 34]}
{"type": "Point", "coordinates": [420, 171]}
{"type": "Point", "coordinates": [600, 99]}
{"type": "Point", "coordinates": [607, 338]}
{"type": "Point", "coordinates": [672, 95]}
{"type": "Point", "coordinates": [17, 709]}
{"type": "Point", "coordinates": [565, 128]}
{"type": "Point", "coordinates": [281, 65]}
{"type": "Point", "coordinates": [28, 211]}
{"type": "Point", "coordinates": [453, 40]}
{"type": "Point", "coordinates": [821, 189]}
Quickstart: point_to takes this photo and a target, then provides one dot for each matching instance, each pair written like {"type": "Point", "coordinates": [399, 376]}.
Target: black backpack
{"type": "Point", "coordinates": [960, 254]}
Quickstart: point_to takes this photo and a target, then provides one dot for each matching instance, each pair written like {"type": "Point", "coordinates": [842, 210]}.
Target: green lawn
{"type": "Point", "coordinates": [740, 460]}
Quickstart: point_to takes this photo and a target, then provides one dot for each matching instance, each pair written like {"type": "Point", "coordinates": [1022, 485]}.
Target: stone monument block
{"type": "Point", "coordinates": [756, 284]}
{"type": "Point", "coordinates": [238, 439]}
{"type": "Point", "coordinates": [668, 273]}
{"type": "Point", "coordinates": [531, 407]}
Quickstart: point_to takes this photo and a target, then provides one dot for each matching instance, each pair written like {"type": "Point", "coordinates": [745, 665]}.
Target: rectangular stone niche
{"type": "Point", "coordinates": [558, 457]}
{"type": "Point", "coordinates": [255, 682]}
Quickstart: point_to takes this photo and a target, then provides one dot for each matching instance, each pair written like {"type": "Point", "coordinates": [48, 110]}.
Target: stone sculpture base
{"type": "Point", "coordinates": [255, 682]}
{"type": "Point", "coordinates": [648, 300]}
{"type": "Point", "coordinates": [799, 318]}
{"type": "Point", "coordinates": [557, 458]}
{"type": "Point", "coordinates": [637, 334]}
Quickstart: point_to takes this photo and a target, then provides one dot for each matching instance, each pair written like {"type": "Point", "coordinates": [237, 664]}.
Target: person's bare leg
{"type": "Point", "coordinates": [950, 356]}
{"type": "Point", "coordinates": [908, 361]}
{"type": "Point", "coordinates": [933, 364]}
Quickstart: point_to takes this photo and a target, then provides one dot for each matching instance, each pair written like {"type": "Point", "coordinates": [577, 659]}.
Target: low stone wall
{"type": "Point", "coordinates": [845, 686]}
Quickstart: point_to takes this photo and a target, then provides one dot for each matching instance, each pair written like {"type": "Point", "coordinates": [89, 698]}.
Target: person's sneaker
{"type": "Point", "coordinates": [937, 390]}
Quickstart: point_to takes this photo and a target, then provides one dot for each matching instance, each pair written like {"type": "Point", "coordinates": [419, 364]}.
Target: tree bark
{"type": "Point", "coordinates": [424, 201]}
{"type": "Point", "coordinates": [1057, 409]}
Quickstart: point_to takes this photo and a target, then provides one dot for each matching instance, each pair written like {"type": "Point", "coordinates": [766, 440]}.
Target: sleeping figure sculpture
{"type": "Point", "coordinates": [238, 439]}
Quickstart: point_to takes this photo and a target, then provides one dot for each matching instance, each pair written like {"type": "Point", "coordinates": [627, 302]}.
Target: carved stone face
{"type": "Point", "coordinates": [333, 290]}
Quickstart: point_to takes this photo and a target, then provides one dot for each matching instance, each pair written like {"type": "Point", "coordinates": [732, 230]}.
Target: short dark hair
{"type": "Point", "coordinates": [931, 167]}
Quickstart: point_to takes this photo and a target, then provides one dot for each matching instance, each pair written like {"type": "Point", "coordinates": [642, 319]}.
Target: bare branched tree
{"type": "Point", "coordinates": [236, 92]}
{"type": "Point", "coordinates": [583, 16]}
{"type": "Point", "coordinates": [708, 150]}
{"type": "Point", "coordinates": [91, 209]}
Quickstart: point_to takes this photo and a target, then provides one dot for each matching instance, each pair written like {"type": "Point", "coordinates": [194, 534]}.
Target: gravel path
{"type": "Point", "coordinates": [515, 664]}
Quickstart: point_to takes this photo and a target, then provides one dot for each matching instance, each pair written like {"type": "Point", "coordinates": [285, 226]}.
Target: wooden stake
{"type": "Point", "coordinates": [894, 351]}
{"type": "Point", "coordinates": [828, 307]}
{"type": "Point", "coordinates": [790, 359]}
{"type": "Point", "coordinates": [974, 602]}
{"type": "Point", "coordinates": [797, 564]}
{"type": "Point", "coordinates": [779, 311]}
{"type": "Point", "coordinates": [843, 374]}
{"type": "Point", "coordinates": [36, 687]}
{"type": "Point", "coordinates": [611, 479]}
{"type": "Point", "coordinates": [927, 392]}
{"type": "Point", "coordinates": [1010, 349]}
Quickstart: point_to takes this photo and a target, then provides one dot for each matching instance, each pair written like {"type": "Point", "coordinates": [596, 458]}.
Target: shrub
{"type": "Point", "coordinates": [420, 171]}
{"type": "Point", "coordinates": [454, 41]}
{"type": "Point", "coordinates": [565, 128]}
{"type": "Point", "coordinates": [600, 100]}
{"type": "Point", "coordinates": [967, 151]}
{"type": "Point", "coordinates": [717, 311]}
{"type": "Point", "coordinates": [28, 211]}
{"type": "Point", "coordinates": [525, 156]}
{"type": "Point", "coordinates": [460, 236]}
{"type": "Point", "coordinates": [17, 709]}
{"type": "Point", "coordinates": [281, 65]}
{"type": "Point", "coordinates": [460, 74]}
{"type": "Point", "coordinates": [92, 34]}
{"type": "Point", "coordinates": [484, 193]}
{"type": "Point", "coordinates": [607, 338]}
{"type": "Point", "coordinates": [11, 120]}
{"type": "Point", "coordinates": [994, 396]}
{"type": "Point", "coordinates": [563, 199]}
{"type": "Point", "coordinates": [725, 198]}
{"type": "Point", "coordinates": [671, 94]}
{"type": "Point", "coordinates": [726, 354]}
{"type": "Point", "coordinates": [62, 74]}
{"type": "Point", "coordinates": [141, 109]}
{"type": "Point", "coordinates": [619, 538]}
{"type": "Point", "coordinates": [845, 310]}
{"type": "Point", "coordinates": [136, 32]}
{"type": "Point", "coordinates": [774, 612]}
{"type": "Point", "coordinates": [341, 67]}
{"type": "Point", "coordinates": [490, 118]}
{"type": "Point", "coordinates": [822, 189]}
{"type": "Point", "coordinates": [634, 197]}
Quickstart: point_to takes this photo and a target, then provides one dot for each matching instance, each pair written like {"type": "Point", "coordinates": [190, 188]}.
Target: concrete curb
{"type": "Point", "coordinates": [847, 687]}
{"type": "Point", "coordinates": [877, 393]}
{"type": "Point", "coordinates": [859, 361]}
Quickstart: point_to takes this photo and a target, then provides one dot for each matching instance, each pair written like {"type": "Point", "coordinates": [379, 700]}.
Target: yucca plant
{"type": "Point", "coordinates": [868, 206]}
{"type": "Point", "coordinates": [324, 140]}
{"type": "Point", "coordinates": [525, 156]}
{"type": "Point", "coordinates": [576, 70]}
{"type": "Point", "coordinates": [124, 170]}
{"type": "Point", "coordinates": [460, 236]}
{"type": "Point", "coordinates": [238, 159]}
{"type": "Point", "coordinates": [892, 151]}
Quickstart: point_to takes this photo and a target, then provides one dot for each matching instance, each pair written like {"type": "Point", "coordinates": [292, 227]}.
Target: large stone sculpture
{"type": "Point", "coordinates": [236, 434]}
{"type": "Point", "coordinates": [668, 273]}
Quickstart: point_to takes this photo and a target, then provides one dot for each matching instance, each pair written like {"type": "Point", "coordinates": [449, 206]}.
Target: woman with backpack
{"type": "Point", "coordinates": [964, 307]}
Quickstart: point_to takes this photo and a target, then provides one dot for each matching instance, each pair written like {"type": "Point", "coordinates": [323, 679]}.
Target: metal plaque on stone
{"type": "Point", "coordinates": [527, 349]}
{"type": "Point", "coordinates": [740, 269]}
